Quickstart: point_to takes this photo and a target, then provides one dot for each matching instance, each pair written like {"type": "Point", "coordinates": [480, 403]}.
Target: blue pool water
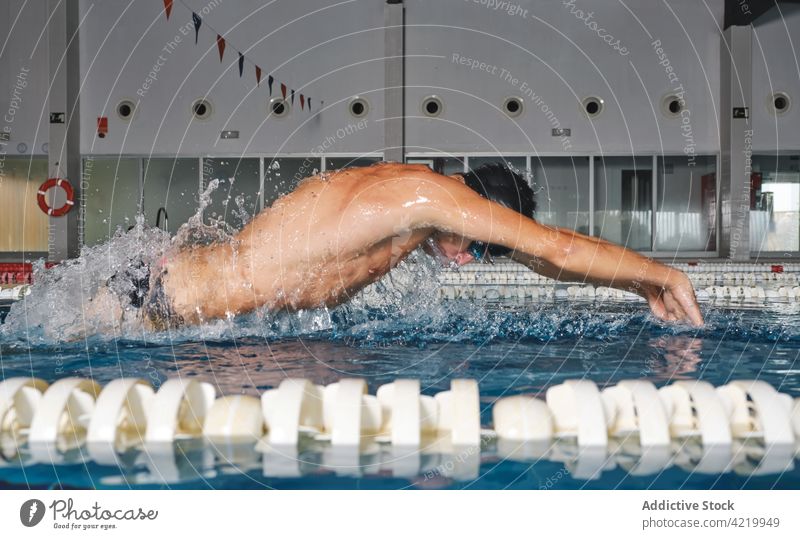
{"type": "Point", "coordinates": [509, 349]}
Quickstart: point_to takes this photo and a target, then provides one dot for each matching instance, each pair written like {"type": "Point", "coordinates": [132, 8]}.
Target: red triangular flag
{"type": "Point", "coordinates": [258, 75]}
{"type": "Point", "coordinates": [168, 7]}
{"type": "Point", "coordinates": [283, 90]}
{"type": "Point", "coordinates": [221, 46]}
{"type": "Point", "coordinates": [302, 101]}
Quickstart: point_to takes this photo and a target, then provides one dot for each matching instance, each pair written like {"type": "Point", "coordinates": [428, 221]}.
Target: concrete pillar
{"type": "Point", "coordinates": [64, 156]}
{"type": "Point", "coordinates": [736, 136]}
{"type": "Point", "coordinates": [394, 81]}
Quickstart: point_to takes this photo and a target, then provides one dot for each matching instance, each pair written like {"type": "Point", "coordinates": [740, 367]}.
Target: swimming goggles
{"type": "Point", "coordinates": [480, 252]}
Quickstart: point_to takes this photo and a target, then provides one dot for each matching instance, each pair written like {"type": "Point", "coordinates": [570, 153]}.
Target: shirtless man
{"type": "Point", "coordinates": [339, 232]}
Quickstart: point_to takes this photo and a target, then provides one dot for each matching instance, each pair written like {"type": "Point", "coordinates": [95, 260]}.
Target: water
{"type": "Point", "coordinates": [508, 349]}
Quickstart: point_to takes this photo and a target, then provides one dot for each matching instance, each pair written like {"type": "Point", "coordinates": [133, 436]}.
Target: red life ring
{"type": "Point", "coordinates": [56, 182]}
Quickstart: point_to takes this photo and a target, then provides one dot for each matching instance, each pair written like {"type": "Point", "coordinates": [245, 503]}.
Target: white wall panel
{"type": "Point", "coordinates": [776, 49]}
{"type": "Point", "coordinates": [549, 49]}
{"type": "Point", "coordinates": [324, 50]}
{"type": "Point", "coordinates": [546, 47]}
{"type": "Point", "coordinates": [23, 75]}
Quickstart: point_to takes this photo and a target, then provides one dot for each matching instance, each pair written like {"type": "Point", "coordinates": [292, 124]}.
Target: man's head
{"type": "Point", "coordinates": [500, 184]}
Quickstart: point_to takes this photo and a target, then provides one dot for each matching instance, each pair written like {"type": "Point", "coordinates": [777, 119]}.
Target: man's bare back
{"type": "Point", "coordinates": [327, 239]}
{"type": "Point", "coordinates": [339, 232]}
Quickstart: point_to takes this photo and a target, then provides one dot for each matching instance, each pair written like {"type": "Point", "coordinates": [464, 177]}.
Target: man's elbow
{"type": "Point", "coordinates": [561, 247]}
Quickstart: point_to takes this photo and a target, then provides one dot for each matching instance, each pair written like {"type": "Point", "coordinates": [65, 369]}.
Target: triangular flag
{"type": "Point", "coordinates": [241, 64]}
{"type": "Point", "coordinates": [221, 46]}
{"type": "Point", "coordinates": [292, 96]}
{"type": "Point", "coordinates": [283, 90]}
{"type": "Point", "coordinates": [168, 7]}
{"type": "Point", "coordinates": [270, 80]}
{"type": "Point", "coordinates": [302, 101]}
{"type": "Point", "coordinates": [197, 22]}
{"type": "Point", "coordinates": [258, 76]}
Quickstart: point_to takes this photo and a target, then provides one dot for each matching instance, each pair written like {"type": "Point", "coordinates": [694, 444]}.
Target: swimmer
{"type": "Point", "coordinates": [337, 232]}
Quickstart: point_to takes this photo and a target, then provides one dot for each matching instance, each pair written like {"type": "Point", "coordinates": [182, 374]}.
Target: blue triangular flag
{"type": "Point", "coordinates": [197, 22]}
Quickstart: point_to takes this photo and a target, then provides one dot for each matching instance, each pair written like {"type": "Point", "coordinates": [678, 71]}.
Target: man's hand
{"type": "Point", "coordinates": [673, 299]}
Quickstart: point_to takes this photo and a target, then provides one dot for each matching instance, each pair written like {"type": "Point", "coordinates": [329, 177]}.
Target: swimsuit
{"type": "Point", "coordinates": [151, 300]}
{"type": "Point", "coordinates": [158, 308]}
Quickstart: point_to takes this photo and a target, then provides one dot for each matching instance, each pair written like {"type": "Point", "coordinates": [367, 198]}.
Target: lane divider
{"type": "Point", "coordinates": [745, 426]}
{"type": "Point", "coordinates": [345, 414]}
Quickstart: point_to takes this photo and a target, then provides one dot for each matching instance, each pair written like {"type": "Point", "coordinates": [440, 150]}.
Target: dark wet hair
{"type": "Point", "coordinates": [500, 184]}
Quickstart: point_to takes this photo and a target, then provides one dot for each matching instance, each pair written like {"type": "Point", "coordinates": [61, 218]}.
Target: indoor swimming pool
{"type": "Point", "coordinates": [508, 349]}
{"type": "Point", "coordinates": [303, 253]}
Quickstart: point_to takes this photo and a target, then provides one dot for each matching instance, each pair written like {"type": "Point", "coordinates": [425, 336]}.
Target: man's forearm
{"type": "Point", "coordinates": [571, 256]}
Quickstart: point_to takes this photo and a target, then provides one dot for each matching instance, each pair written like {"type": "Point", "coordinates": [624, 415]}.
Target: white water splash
{"type": "Point", "coordinates": [80, 298]}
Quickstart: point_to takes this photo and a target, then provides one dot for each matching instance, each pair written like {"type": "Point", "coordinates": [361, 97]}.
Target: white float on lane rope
{"type": "Point", "coordinates": [65, 407]}
{"type": "Point", "coordinates": [295, 405]}
{"type": "Point", "coordinates": [578, 410]}
{"type": "Point", "coordinates": [178, 410]}
{"type": "Point", "coordinates": [19, 398]}
{"type": "Point", "coordinates": [122, 404]}
{"type": "Point", "coordinates": [459, 413]}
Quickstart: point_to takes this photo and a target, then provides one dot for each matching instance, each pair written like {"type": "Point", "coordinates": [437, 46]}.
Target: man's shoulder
{"type": "Point", "coordinates": [393, 172]}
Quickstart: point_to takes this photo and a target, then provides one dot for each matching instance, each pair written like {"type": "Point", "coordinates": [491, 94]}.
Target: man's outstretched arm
{"type": "Point", "coordinates": [559, 253]}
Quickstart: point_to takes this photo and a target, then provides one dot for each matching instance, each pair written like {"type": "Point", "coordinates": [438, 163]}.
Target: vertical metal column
{"type": "Point", "coordinates": [64, 154]}
{"type": "Point", "coordinates": [655, 186]}
{"type": "Point", "coordinates": [736, 135]}
{"type": "Point", "coordinates": [261, 183]}
{"type": "Point", "coordinates": [394, 81]}
{"type": "Point", "coordinates": [591, 196]}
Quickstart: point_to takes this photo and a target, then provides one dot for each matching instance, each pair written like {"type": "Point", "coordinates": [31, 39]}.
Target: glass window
{"type": "Point", "coordinates": [562, 191]}
{"type": "Point", "coordinates": [238, 196]}
{"type": "Point", "coordinates": [516, 163]}
{"type": "Point", "coordinates": [23, 226]}
{"type": "Point", "coordinates": [442, 165]}
{"type": "Point", "coordinates": [282, 174]}
{"type": "Point", "coordinates": [624, 200]}
{"type": "Point", "coordinates": [686, 210]}
{"type": "Point", "coordinates": [335, 163]}
{"type": "Point", "coordinates": [171, 184]}
{"type": "Point", "coordinates": [448, 165]}
{"type": "Point", "coordinates": [112, 196]}
{"type": "Point", "coordinates": [775, 204]}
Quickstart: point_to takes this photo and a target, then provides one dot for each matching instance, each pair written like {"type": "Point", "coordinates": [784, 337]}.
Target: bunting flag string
{"type": "Point", "coordinates": [221, 46]}
{"type": "Point", "coordinates": [222, 43]}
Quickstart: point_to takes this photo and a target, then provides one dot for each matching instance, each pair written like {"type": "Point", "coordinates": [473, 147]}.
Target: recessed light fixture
{"type": "Point", "coordinates": [432, 106]}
